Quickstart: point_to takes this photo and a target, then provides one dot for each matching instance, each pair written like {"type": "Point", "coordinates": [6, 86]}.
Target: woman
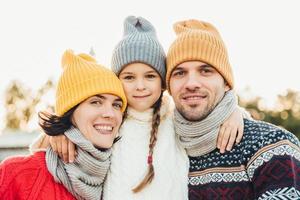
{"type": "Point", "coordinates": [90, 102]}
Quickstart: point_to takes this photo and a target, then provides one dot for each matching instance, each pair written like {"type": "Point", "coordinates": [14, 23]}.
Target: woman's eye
{"type": "Point", "coordinates": [118, 106]}
{"type": "Point", "coordinates": [96, 102]}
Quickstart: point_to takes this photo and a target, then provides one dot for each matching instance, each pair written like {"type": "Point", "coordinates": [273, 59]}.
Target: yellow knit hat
{"type": "Point", "coordinates": [82, 78]}
{"type": "Point", "coordinates": [198, 41]}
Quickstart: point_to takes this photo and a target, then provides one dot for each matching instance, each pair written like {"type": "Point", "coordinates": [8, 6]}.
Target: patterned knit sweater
{"type": "Point", "coordinates": [265, 165]}
{"type": "Point", "coordinates": [129, 160]}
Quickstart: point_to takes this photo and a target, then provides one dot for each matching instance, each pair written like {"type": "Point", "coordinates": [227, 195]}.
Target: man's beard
{"type": "Point", "coordinates": [189, 115]}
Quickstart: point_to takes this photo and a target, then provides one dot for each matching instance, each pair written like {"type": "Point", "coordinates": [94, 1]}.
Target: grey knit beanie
{"type": "Point", "coordinates": [139, 44]}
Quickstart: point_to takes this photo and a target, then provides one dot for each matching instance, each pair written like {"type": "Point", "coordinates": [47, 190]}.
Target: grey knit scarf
{"type": "Point", "coordinates": [200, 138]}
{"type": "Point", "coordinates": [85, 176]}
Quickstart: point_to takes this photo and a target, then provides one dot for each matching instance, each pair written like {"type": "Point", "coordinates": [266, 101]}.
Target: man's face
{"type": "Point", "coordinates": [196, 88]}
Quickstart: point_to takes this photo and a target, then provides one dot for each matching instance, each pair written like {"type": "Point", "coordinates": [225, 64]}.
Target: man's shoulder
{"type": "Point", "coordinates": [259, 135]}
{"type": "Point", "coordinates": [267, 133]}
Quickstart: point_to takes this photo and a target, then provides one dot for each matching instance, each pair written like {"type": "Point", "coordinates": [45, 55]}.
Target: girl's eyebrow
{"type": "Point", "coordinates": [126, 73]}
{"type": "Point", "coordinates": [151, 71]}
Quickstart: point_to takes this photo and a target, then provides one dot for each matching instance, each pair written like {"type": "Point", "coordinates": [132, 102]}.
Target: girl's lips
{"type": "Point", "coordinates": [140, 97]}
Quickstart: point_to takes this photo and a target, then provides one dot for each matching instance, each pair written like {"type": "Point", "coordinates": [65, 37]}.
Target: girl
{"type": "Point", "coordinates": [89, 105]}
{"type": "Point", "coordinates": [147, 162]}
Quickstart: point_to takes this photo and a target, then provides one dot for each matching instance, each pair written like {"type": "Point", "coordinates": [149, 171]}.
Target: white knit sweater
{"type": "Point", "coordinates": [129, 160]}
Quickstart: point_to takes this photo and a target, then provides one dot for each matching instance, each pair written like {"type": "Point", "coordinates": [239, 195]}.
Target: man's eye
{"type": "Point", "coordinates": [205, 71]}
{"type": "Point", "coordinates": [178, 73]}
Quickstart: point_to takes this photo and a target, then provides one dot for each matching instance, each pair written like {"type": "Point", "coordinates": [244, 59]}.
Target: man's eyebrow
{"type": "Point", "coordinates": [206, 66]}
{"type": "Point", "coordinates": [178, 68]}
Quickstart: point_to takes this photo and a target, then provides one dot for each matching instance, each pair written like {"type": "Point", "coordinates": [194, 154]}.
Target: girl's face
{"type": "Point", "coordinates": [142, 85]}
{"type": "Point", "coordinates": [99, 118]}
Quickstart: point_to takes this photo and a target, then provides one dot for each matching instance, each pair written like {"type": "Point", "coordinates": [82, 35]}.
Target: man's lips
{"type": "Point", "coordinates": [193, 98]}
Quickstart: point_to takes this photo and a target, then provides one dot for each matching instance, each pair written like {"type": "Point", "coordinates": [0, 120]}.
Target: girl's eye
{"type": "Point", "coordinates": [117, 106]}
{"type": "Point", "coordinates": [151, 76]}
{"type": "Point", "coordinates": [128, 77]}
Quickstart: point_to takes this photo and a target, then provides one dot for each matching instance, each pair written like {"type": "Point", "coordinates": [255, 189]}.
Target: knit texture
{"type": "Point", "coordinates": [129, 160]}
{"type": "Point", "coordinates": [199, 138]}
{"type": "Point", "coordinates": [264, 165]}
{"type": "Point", "coordinates": [139, 44]}
{"type": "Point", "coordinates": [85, 176]}
{"type": "Point", "coordinates": [27, 177]}
{"type": "Point", "coordinates": [198, 40]}
{"type": "Point", "coordinates": [82, 78]}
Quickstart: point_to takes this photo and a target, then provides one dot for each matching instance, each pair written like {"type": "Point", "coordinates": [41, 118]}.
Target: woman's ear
{"type": "Point", "coordinates": [73, 120]}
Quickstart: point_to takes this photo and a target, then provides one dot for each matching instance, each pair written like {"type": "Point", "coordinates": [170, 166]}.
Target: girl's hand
{"type": "Point", "coordinates": [231, 131]}
{"type": "Point", "coordinates": [63, 147]}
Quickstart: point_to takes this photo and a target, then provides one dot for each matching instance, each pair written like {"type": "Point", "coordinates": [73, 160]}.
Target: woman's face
{"type": "Point", "coordinates": [142, 85]}
{"type": "Point", "coordinates": [99, 118]}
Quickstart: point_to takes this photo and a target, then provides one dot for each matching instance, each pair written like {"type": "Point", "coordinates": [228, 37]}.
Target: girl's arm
{"type": "Point", "coordinates": [60, 145]}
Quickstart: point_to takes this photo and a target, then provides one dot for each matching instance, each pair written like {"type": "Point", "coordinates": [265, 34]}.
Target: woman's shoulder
{"type": "Point", "coordinates": [19, 170]}
{"type": "Point", "coordinates": [21, 160]}
{"type": "Point", "coordinates": [18, 165]}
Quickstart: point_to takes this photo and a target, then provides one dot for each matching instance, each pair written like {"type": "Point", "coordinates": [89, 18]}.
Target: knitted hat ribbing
{"type": "Point", "coordinates": [82, 78]}
{"type": "Point", "coordinates": [139, 44]}
{"type": "Point", "coordinates": [198, 40]}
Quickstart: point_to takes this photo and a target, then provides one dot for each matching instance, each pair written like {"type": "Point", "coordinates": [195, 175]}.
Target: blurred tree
{"type": "Point", "coordinates": [20, 104]}
{"type": "Point", "coordinates": [286, 113]}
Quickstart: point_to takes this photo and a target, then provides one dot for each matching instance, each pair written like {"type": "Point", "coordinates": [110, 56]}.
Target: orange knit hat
{"type": "Point", "coordinates": [198, 40]}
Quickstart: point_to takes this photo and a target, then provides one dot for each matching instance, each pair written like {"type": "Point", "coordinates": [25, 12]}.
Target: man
{"type": "Point", "coordinates": [264, 165]}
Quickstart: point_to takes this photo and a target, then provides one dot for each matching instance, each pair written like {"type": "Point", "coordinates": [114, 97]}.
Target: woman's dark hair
{"type": "Point", "coordinates": [54, 125]}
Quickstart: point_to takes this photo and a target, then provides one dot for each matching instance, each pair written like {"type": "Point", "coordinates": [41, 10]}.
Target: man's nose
{"type": "Point", "coordinates": [193, 82]}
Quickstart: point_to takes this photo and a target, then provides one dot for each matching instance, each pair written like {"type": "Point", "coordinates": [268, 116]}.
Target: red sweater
{"type": "Point", "coordinates": [28, 178]}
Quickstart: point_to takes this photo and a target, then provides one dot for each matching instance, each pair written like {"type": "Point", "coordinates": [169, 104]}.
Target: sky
{"type": "Point", "coordinates": [262, 37]}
